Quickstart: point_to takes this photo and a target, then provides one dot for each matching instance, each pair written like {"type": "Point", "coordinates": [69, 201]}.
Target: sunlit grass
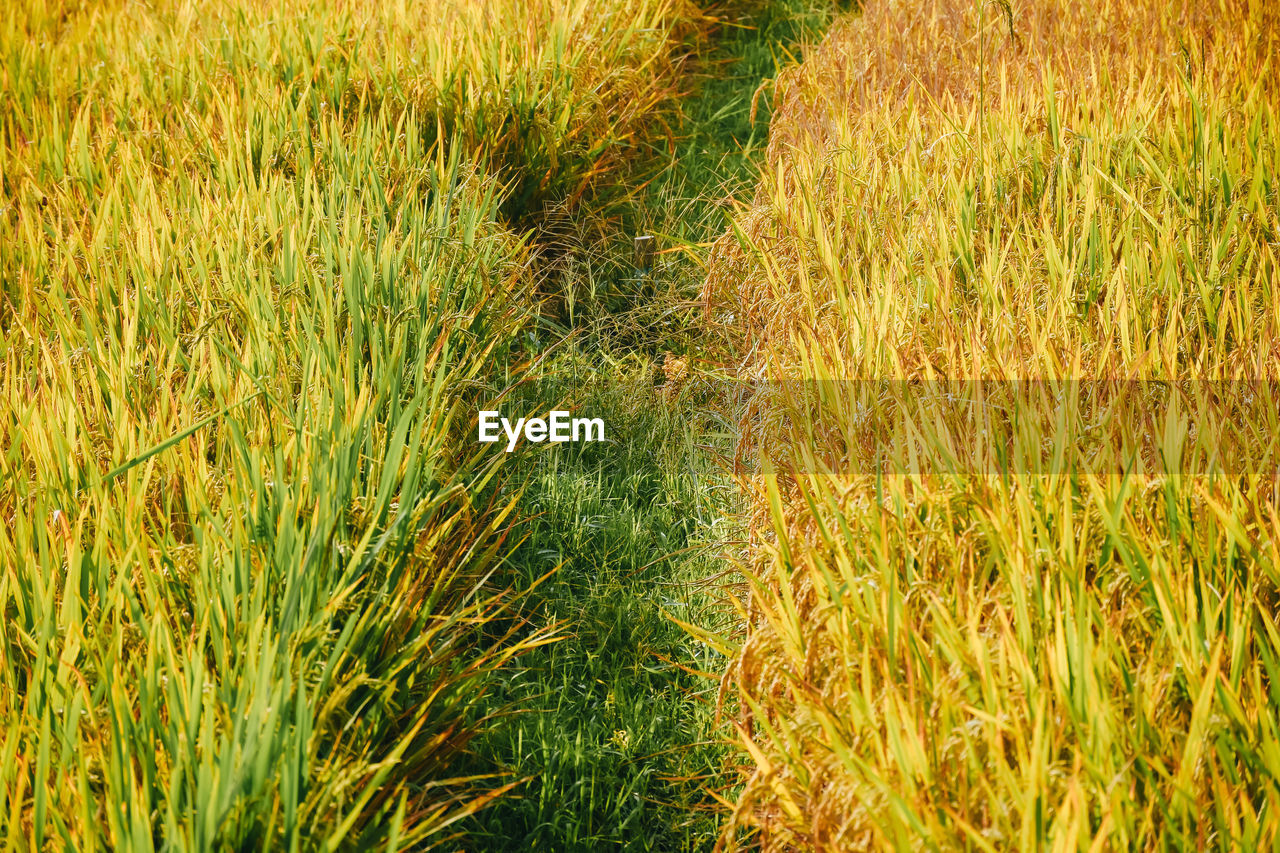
{"type": "Point", "coordinates": [255, 276]}
{"type": "Point", "coordinates": [959, 659]}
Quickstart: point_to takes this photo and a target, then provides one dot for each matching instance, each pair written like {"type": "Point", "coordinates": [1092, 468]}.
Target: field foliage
{"type": "Point", "coordinates": [945, 649]}
{"type": "Point", "coordinates": [260, 588]}
{"type": "Point", "coordinates": [255, 274]}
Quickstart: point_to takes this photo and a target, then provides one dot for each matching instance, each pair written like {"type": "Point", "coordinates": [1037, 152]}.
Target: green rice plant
{"type": "Point", "coordinates": [254, 281]}
{"type": "Point", "coordinates": [245, 550]}
{"type": "Point", "coordinates": [951, 645]}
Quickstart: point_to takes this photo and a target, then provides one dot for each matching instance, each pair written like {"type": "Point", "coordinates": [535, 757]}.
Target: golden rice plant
{"type": "Point", "coordinates": [949, 644]}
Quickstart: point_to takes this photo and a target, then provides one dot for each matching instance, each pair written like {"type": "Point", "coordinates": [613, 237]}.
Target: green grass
{"type": "Point", "coordinates": [683, 185]}
{"type": "Point", "coordinates": [613, 728]}
{"type": "Point", "coordinates": [616, 736]}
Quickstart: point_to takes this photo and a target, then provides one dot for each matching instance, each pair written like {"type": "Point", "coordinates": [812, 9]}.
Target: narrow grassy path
{"type": "Point", "coordinates": [611, 728]}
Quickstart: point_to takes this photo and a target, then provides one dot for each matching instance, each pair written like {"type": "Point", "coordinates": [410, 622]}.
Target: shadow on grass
{"type": "Point", "coordinates": [612, 728]}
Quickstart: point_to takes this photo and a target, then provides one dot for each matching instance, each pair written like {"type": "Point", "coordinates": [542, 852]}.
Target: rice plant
{"type": "Point", "coordinates": [948, 646]}
{"type": "Point", "coordinates": [256, 274]}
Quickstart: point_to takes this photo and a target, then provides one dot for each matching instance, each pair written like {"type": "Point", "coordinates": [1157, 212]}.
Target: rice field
{"type": "Point", "coordinates": [941, 500]}
{"type": "Point", "coordinates": [257, 272]}
{"type": "Point", "coordinates": [1000, 618]}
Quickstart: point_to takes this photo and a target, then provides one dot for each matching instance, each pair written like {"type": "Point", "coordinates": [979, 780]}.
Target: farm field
{"type": "Point", "coordinates": [935, 345]}
{"type": "Point", "coordinates": [1010, 282]}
